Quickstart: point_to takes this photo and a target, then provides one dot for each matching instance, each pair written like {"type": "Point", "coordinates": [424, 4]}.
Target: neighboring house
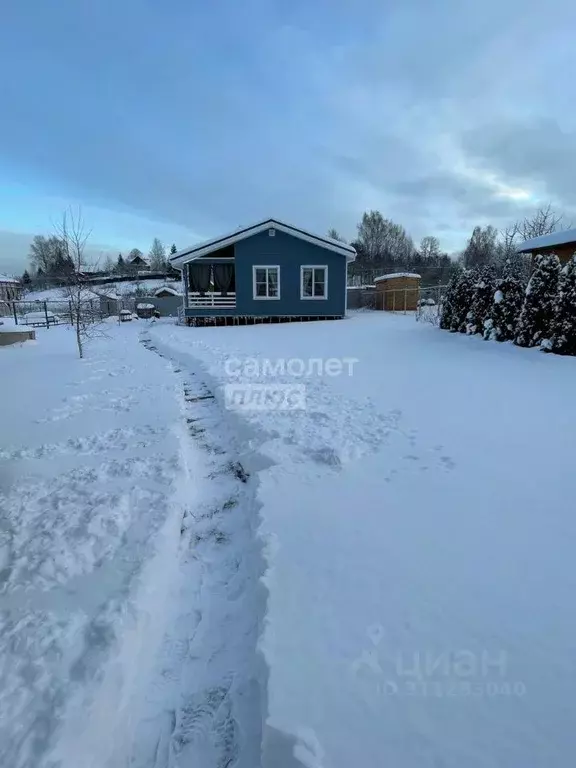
{"type": "Point", "coordinates": [10, 290]}
{"type": "Point", "coordinates": [140, 263]}
{"type": "Point", "coordinates": [165, 292]}
{"type": "Point", "coordinates": [270, 271]}
{"type": "Point", "coordinates": [563, 244]}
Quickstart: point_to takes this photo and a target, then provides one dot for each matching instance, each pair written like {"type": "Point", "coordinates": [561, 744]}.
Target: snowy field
{"type": "Point", "coordinates": [381, 577]}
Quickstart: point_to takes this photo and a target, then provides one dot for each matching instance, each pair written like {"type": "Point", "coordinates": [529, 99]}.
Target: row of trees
{"type": "Point", "coordinates": [51, 263]}
{"type": "Point", "coordinates": [501, 307]}
{"type": "Point", "coordinates": [382, 246]}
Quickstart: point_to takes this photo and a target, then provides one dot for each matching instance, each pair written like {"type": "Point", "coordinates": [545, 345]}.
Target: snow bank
{"type": "Point", "coordinates": [404, 511]}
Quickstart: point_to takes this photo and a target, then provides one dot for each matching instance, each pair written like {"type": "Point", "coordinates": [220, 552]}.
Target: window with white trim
{"type": "Point", "coordinates": [266, 282]}
{"type": "Point", "coordinates": [314, 282]}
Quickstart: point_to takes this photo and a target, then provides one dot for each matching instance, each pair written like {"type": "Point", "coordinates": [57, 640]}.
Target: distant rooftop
{"type": "Point", "coordinates": [396, 274]}
{"type": "Point", "coordinates": [6, 279]}
{"type": "Point", "coordinates": [548, 241]}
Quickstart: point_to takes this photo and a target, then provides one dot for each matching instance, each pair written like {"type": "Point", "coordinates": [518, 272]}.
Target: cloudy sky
{"type": "Point", "coordinates": [183, 119]}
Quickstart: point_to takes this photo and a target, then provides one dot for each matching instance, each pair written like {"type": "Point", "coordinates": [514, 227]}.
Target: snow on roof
{"type": "Point", "coordinates": [167, 289]}
{"type": "Point", "coordinates": [546, 241]}
{"type": "Point", "coordinates": [144, 306]}
{"type": "Point", "coordinates": [6, 279]}
{"type": "Point", "coordinates": [397, 274]}
{"type": "Point", "coordinates": [208, 246]}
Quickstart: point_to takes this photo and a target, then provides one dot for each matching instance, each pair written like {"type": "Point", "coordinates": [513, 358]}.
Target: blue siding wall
{"type": "Point", "coordinates": [289, 253]}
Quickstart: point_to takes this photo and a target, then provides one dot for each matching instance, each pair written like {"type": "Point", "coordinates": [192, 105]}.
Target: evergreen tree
{"type": "Point", "coordinates": [173, 249]}
{"type": "Point", "coordinates": [448, 314]}
{"type": "Point", "coordinates": [563, 340]}
{"type": "Point", "coordinates": [481, 300]}
{"type": "Point", "coordinates": [535, 323]}
{"type": "Point", "coordinates": [504, 313]}
{"type": "Point", "coordinates": [120, 264]}
{"type": "Point", "coordinates": [26, 279]}
{"type": "Point", "coordinates": [462, 300]}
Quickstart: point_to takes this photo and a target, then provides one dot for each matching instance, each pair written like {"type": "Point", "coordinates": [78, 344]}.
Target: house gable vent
{"type": "Point", "coordinates": [271, 232]}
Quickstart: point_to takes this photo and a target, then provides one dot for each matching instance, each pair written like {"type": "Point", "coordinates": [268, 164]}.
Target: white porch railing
{"type": "Point", "coordinates": [211, 300]}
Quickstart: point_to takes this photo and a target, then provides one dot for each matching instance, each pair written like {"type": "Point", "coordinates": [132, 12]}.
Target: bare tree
{"type": "Point", "coordinates": [430, 247]}
{"type": "Point", "coordinates": [544, 221]}
{"type": "Point", "coordinates": [74, 235]}
{"type": "Point", "coordinates": [381, 238]}
{"type": "Point", "coordinates": [482, 248]}
{"type": "Point", "coordinates": [157, 256]}
{"type": "Point", "coordinates": [333, 234]}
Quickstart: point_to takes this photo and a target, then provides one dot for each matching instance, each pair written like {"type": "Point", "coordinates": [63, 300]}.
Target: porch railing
{"type": "Point", "coordinates": [211, 300]}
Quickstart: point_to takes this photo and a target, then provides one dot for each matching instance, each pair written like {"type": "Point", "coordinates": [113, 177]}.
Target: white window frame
{"type": "Point", "coordinates": [266, 267]}
{"type": "Point", "coordinates": [313, 266]}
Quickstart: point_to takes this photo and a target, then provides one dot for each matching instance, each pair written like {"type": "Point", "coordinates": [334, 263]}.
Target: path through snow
{"type": "Point", "coordinates": [130, 602]}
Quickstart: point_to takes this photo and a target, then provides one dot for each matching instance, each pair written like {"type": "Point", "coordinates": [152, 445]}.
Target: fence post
{"type": "Point", "coordinates": [46, 314]}
{"type": "Point", "coordinates": [394, 300]}
{"type": "Point", "coordinates": [15, 313]}
{"type": "Point", "coordinates": [71, 313]}
{"type": "Point", "coordinates": [405, 298]}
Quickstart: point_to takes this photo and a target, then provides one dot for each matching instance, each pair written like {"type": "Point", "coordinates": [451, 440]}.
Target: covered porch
{"type": "Point", "coordinates": [210, 284]}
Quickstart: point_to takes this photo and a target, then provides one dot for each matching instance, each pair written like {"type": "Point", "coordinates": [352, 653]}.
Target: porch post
{"type": "Point", "coordinates": [185, 281]}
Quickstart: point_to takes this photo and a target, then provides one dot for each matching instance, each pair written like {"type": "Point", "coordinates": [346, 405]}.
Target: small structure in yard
{"type": "Point", "coordinates": [10, 290]}
{"type": "Point", "coordinates": [398, 292]}
{"type": "Point", "coordinates": [563, 244]}
{"type": "Point", "coordinates": [125, 315]}
{"type": "Point", "coordinates": [264, 273]}
{"type": "Point", "coordinates": [11, 335]}
{"type": "Point", "coordinates": [145, 311]}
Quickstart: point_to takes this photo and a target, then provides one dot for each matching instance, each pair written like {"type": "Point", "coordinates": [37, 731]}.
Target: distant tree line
{"type": "Point", "coordinates": [52, 266]}
{"type": "Point", "coordinates": [383, 245]}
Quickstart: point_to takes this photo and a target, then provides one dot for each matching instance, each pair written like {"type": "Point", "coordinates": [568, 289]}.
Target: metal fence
{"type": "Point", "coordinates": [430, 304]}
{"type": "Point", "coordinates": [48, 313]}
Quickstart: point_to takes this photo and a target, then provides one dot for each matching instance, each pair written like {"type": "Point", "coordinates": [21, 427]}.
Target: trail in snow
{"type": "Point", "coordinates": [130, 593]}
{"type": "Point", "coordinates": [205, 705]}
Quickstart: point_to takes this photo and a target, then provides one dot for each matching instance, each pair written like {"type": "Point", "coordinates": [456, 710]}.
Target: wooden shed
{"type": "Point", "coordinates": [563, 244]}
{"type": "Point", "coordinates": [398, 292]}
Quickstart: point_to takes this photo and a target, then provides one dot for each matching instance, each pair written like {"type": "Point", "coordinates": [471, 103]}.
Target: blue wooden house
{"type": "Point", "coordinates": [268, 272]}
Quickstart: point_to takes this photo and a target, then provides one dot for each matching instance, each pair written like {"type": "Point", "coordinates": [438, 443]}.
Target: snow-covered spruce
{"type": "Point", "coordinates": [464, 296]}
{"type": "Point", "coordinates": [447, 317]}
{"type": "Point", "coordinates": [535, 323]}
{"type": "Point", "coordinates": [458, 302]}
{"type": "Point", "coordinates": [481, 300]}
{"type": "Point", "coordinates": [563, 340]}
{"type": "Point", "coordinates": [502, 319]}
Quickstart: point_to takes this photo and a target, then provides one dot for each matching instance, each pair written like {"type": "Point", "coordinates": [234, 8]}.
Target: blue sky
{"type": "Point", "coordinates": [183, 119]}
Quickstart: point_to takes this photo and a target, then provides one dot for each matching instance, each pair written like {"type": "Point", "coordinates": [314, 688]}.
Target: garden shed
{"type": "Point", "coordinates": [398, 291]}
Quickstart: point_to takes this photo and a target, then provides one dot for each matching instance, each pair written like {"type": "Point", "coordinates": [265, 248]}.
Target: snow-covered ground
{"type": "Point", "coordinates": [406, 601]}
{"type": "Point", "coordinates": [127, 547]}
{"type": "Point", "coordinates": [419, 527]}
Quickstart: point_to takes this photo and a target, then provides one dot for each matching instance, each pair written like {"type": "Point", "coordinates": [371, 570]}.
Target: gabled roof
{"type": "Point", "coordinates": [548, 241]}
{"type": "Point", "coordinates": [208, 246]}
{"type": "Point", "coordinates": [6, 279]}
{"type": "Point", "coordinates": [167, 289]}
{"type": "Point", "coordinates": [140, 257]}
